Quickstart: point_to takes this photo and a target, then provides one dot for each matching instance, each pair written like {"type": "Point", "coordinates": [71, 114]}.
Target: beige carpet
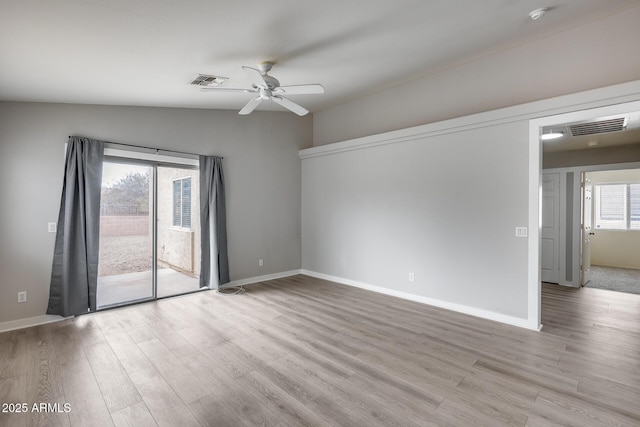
{"type": "Point", "coordinates": [615, 279]}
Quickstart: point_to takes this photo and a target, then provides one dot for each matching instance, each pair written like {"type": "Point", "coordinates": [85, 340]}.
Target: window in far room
{"type": "Point", "coordinates": [182, 202]}
{"type": "Point", "coordinates": [617, 206]}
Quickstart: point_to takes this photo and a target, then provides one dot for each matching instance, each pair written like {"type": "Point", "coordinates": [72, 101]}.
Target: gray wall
{"type": "Point", "coordinates": [598, 54]}
{"type": "Point", "coordinates": [443, 207]}
{"type": "Point", "coordinates": [261, 165]}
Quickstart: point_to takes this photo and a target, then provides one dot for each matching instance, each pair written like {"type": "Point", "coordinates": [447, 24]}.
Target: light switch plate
{"type": "Point", "coordinates": [521, 232]}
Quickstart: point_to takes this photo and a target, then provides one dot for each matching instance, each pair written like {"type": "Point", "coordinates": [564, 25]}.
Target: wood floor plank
{"type": "Point", "coordinates": [43, 380]}
{"type": "Point", "coordinates": [163, 403]}
{"type": "Point", "coordinates": [305, 351]}
{"type": "Point", "coordinates": [186, 385]}
{"type": "Point", "coordinates": [460, 414]}
{"type": "Point", "coordinates": [238, 397]}
{"type": "Point", "coordinates": [66, 344]}
{"type": "Point", "coordinates": [134, 416]}
{"type": "Point", "coordinates": [13, 390]}
{"type": "Point", "coordinates": [117, 389]}
{"type": "Point", "coordinates": [211, 412]}
{"type": "Point", "coordinates": [128, 352]}
{"type": "Point", "coordinates": [13, 353]}
{"type": "Point", "coordinates": [278, 401]}
{"type": "Point", "coordinates": [622, 397]}
{"type": "Point", "coordinates": [87, 406]}
{"type": "Point", "coordinates": [412, 409]}
{"type": "Point", "coordinates": [88, 330]}
{"type": "Point", "coordinates": [568, 410]}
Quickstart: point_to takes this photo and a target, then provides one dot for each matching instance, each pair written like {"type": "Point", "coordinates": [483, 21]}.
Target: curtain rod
{"type": "Point", "coordinates": [151, 148]}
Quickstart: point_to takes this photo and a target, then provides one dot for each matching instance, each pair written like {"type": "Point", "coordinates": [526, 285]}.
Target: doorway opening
{"type": "Point", "coordinates": [552, 156]}
{"type": "Point", "coordinates": [613, 241]}
{"type": "Point", "coordinates": [149, 244]}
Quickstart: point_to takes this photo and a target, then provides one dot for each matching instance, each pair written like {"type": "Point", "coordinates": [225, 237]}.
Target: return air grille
{"type": "Point", "coordinates": [602, 126]}
{"type": "Point", "coordinates": [208, 80]}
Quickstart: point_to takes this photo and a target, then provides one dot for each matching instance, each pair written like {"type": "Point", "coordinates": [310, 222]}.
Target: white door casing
{"type": "Point", "coordinates": [550, 238]}
{"type": "Point", "coordinates": [587, 210]}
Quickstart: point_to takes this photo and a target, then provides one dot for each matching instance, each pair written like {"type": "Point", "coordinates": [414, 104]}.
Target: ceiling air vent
{"type": "Point", "coordinates": [208, 80]}
{"type": "Point", "coordinates": [601, 126]}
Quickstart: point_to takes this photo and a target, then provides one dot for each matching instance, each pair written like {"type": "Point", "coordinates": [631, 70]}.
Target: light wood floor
{"type": "Point", "coordinates": [301, 351]}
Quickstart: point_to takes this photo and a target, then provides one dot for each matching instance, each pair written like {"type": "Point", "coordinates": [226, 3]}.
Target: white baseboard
{"type": "Point", "coordinates": [472, 311]}
{"type": "Point", "coordinates": [485, 314]}
{"type": "Point", "coordinates": [569, 284]}
{"type": "Point", "coordinates": [30, 321]}
{"type": "Point", "coordinates": [47, 318]}
{"type": "Point", "coordinates": [264, 278]}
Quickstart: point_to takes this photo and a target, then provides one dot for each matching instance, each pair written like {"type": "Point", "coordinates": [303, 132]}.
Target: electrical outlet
{"type": "Point", "coordinates": [22, 296]}
{"type": "Point", "coordinates": [412, 278]}
{"type": "Point", "coordinates": [51, 227]}
{"type": "Point", "coordinates": [260, 263]}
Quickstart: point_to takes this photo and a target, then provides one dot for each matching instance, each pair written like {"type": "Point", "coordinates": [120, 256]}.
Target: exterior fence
{"type": "Point", "coordinates": [114, 225]}
{"type": "Point", "coordinates": [123, 209]}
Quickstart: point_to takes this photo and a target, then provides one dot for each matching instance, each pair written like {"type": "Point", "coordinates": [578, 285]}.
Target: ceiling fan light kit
{"type": "Point", "coordinates": [268, 88]}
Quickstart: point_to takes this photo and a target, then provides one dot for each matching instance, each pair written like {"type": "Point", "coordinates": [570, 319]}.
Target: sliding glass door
{"type": "Point", "coordinates": [178, 230]}
{"type": "Point", "coordinates": [149, 232]}
{"type": "Point", "coordinates": [125, 263]}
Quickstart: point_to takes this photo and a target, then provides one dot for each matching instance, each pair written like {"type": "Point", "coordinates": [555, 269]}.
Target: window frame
{"type": "Point", "coordinates": [625, 224]}
{"type": "Point", "coordinates": [181, 225]}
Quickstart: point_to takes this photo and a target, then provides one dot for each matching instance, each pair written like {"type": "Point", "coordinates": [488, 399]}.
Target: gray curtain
{"type": "Point", "coordinates": [74, 274]}
{"type": "Point", "coordinates": [214, 270]}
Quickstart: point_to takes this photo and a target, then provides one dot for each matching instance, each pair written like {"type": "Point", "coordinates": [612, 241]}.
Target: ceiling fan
{"type": "Point", "coordinates": [268, 87]}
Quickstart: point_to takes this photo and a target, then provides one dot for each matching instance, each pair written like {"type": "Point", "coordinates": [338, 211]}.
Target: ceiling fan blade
{"type": "Point", "coordinates": [311, 89]}
{"type": "Point", "coordinates": [256, 77]}
{"type": "Point", "coordinates": [290, 105]}
{"type": "Point", "coordinates": [251, 105]}
{"type": "Point", "coordinates": [226, 89]}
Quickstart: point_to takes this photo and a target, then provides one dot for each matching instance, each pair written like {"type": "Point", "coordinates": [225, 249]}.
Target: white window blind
{"type": "Point", "coordinates": [634, 206]}
{"type": "Point", "coordinates": [617, 206]}
{"type": "Point", "coordinates": [182, 203]}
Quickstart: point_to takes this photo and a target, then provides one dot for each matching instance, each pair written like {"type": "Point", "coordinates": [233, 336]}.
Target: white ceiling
{"type": "Point", "coordinates": [145, 52]}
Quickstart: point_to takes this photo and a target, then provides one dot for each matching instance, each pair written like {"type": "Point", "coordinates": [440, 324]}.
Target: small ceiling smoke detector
{"type": "Point", "coordinates": [538, 13]}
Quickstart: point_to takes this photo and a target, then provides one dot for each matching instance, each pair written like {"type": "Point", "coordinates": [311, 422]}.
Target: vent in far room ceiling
{"type": "Point", "coordinates": [208, 80]}
{"type": "Point", "coordinates": [600, 126]}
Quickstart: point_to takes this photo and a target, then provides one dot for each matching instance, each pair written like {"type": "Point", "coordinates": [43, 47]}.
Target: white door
{"type": "Point", "coordinates": [587, 210]}
{"type": "Point", "coordinates": [549, 262]}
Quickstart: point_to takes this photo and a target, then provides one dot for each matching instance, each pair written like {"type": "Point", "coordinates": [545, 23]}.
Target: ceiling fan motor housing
{"type": "Point", "coordinates": [265, 93]}
{"type": "Point", "coordinates": [271, 82]}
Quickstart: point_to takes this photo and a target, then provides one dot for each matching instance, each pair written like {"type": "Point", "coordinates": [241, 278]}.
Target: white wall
{"type": "Point", "coordinates": [443, 207]}
{"type": "Point", "coordinates": [261, 166]}
{"type": "Point", "coordinates": [597, 54]}
{"type": "Point", "coordinates": [442, 200]}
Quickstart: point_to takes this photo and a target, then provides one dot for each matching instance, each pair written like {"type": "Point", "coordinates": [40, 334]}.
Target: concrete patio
{"type": "Point", "coordinates": [130, 287]}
